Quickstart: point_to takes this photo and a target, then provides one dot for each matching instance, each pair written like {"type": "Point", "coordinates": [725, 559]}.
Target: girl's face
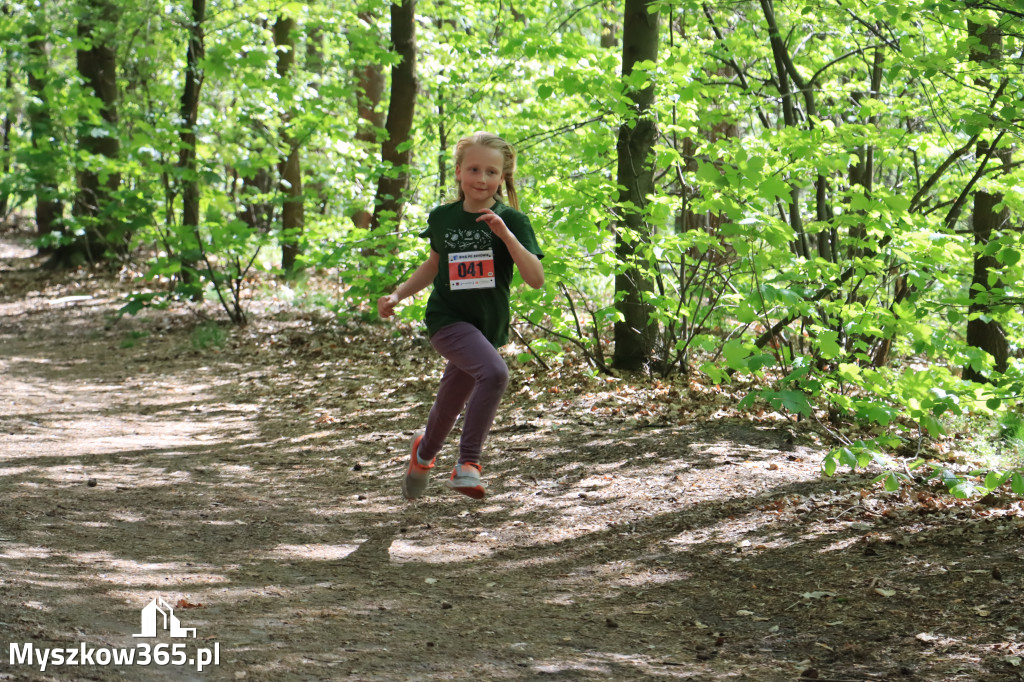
{"type": "Point", "coordinates": [479, 175]}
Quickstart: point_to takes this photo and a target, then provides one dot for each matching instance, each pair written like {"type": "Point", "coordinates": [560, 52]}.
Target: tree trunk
{"type": "Point", "coordinates": [49, 209]}
{"type": "Point", "coordinates": [315, 187]}
{"type": "Point", "coordinates": [187, 135]}
{"type": "Point", "coordinates": [983, 331]}
{"type": "Point", "coordinates": [636, 333]}
{"type": "Point", "coordinates": [5, 143]}
{"type": "Point", "coordinates": [609, 27]}
{"type": "Point", "coordinates": [442, 144]}
{"type": "Point", "coordinates": [290, 168]}
{"type": "Point", "coordinates": [189, 116]}
{"type": "Point", "coordinates": [257, 212]}
{"type": "Point", "coordinates": [396, 153]}
{"type": "Point", "coordinates": [370, 82]}
{"type": "Point", "coordinates": [97, 64]}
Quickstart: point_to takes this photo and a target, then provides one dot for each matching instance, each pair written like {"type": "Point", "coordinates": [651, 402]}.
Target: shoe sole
{"type": "Point", "coordinates": [477, 491]}
{"type": "Point", "coordinates": [405, 478]}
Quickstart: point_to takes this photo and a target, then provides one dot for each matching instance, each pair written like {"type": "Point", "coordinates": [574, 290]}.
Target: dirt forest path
{"type": "Point", "coordinates": [632, 530]}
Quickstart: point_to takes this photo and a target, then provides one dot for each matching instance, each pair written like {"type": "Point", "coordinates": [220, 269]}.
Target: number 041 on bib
{"type": "Point", "coordinates": [471, 270]}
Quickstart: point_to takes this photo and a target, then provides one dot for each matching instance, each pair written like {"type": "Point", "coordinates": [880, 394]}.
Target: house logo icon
{"type": "Point", "coordinates": [150, 622]}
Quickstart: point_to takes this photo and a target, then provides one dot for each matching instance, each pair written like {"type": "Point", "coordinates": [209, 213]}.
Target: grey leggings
{"type": "Point", "coordinates": [475, 379]}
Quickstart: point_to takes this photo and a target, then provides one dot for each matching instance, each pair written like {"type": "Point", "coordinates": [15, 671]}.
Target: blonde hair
{"type": "Point", "coordinates": [508, 153]}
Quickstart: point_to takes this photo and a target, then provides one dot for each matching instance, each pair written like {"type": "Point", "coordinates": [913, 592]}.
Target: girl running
{"type": "Point", "coordinates": [474, 243]}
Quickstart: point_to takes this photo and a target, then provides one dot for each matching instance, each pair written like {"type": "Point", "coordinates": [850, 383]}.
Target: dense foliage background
{"type": "Point", "coordinates": [818, 201]}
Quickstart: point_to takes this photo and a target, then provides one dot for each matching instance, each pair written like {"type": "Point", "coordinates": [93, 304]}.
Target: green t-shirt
{"type": "Point", "coordinates": [475, 269]}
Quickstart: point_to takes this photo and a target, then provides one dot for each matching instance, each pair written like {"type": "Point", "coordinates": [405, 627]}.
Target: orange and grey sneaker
{"type": "Point", "coordinates": [417, 476]}
{"type": "Point", "coordinates": [465, 479]}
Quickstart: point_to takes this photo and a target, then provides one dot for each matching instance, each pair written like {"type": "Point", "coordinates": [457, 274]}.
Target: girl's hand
{"type": "Point", "coordinates": [386, 305]}
{"type": "Point", "coordinates": [497, 225]}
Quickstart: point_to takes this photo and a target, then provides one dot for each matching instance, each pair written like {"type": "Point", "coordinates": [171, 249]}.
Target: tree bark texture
{"type": "Point", "coordinates": [370, 83]}
{"type": "Point", "coordinates": [97, 65]}
{"type": "Point", "coordinates": [396, 154]}
{"type": "Point", "coordinates": [189, 116]}
{"type": "Point", "coordinates": [315, 41]}
{"type": "Point", "coordinates": [9, 114]}
{"type": "Point", "coordinates": [187, 135]}
{"type": "Point", "coordinates": [636, 333]}
{"type": "Point", "coordinates": [49, 208]}
{"type": "Point", "coordinates": [290, 168]}
{"type": "Point", "coordinates": [984, 332]}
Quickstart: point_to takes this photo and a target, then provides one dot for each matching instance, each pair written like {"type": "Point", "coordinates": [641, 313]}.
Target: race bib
{"type": "Point", "coordinates": [471, 270]}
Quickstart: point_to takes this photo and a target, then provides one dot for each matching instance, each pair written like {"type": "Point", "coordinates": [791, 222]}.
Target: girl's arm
{"type": "Point", "coordinates": [419, 280]}
{"type": "Point", "coordinates": [529, 265]}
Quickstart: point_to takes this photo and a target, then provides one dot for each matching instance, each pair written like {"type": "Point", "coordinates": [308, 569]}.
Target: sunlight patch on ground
{"type": "Point", "coordinates": [313, 552]}
{"type": "Point", "coordinates": [840, 545]}
{"type": "Point", "coordinates": [405, 551]}
{"type": "Point", "coordinates": [728, 536]}
{"type": "Point", "coordinates": [106, 476]}
{"type": "Point", "coordinates": [109, 568]}
{"type": "Point", "coordinates": [20, 551]}
{"type": "Point", "coordinates": [614, 575]}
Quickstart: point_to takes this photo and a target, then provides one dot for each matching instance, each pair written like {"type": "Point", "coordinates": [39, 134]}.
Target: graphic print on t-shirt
{"type": "Point", "coordinates": [470, 259]}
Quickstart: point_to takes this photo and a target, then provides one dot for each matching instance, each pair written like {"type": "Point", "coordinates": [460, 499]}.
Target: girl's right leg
{"type": "Point", "coordinates": [452, 395]}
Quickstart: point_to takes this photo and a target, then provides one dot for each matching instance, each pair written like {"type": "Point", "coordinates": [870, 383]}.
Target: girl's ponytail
{"type": "Point", "coordinates": [510, 188]}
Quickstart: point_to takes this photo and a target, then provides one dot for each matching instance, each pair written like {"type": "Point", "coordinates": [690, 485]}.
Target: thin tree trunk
{"type": "Point", "coordinates": [609, 27]}
{"type": "Point", "coordinates": [5, 143]}
{"type": "Point", "coordinates": [442, 144]}
{"type": "Point", "coordinates": [189, 117]}
{"type": "Point", "coordinates": [396, 153]}
{"type": "Point", "coordinates": [97, 64]}
{"type": "Point", "coordinates": [983, 331]}
{"type": "Point", "coordinates": [290, 168]}
{"type": "Point", "coordinates": [370, 83]}
{"type": "Point", "coordinates": [49, 208]}
{"type": "Point", "coordinates": [635, 334]}
{"type": "Point", "coordinates": [9, 115]}
{"type": "Point", "coordinates": [780, 56]}
{"type": "Point", "coordinates": [256, 210]}
{"type": "Point", "coordinates": [315, 65]}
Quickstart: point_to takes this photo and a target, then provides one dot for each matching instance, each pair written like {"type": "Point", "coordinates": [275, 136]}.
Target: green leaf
{"type": "Point", "coordinates": [963, 489]}
{"type": "Point", "coordinates": [773, 187]}
{"type": "Point", "coordinates": [1009, 256]}
{"type": "Point", "coordinates": [707, 173]}
{"type": "Point", "coordinates": [859, 202]}
{"type": "Point", "coordinates": [892, 483]}
{"type": "Point", "coordinates": [715, 374]}
{"type": "Point", "coordinates": [1017, 483]}
{"type": "Point", "coordinates": [828, 344]}
{"type": "Point", "coordinates": [994, 479]}
{"type": "Point", "coordinates": [932, 426]}
{"type": "Point", "coordinates": [736, 354]}
{"type": "Point", "coordinates": [793, 401]}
